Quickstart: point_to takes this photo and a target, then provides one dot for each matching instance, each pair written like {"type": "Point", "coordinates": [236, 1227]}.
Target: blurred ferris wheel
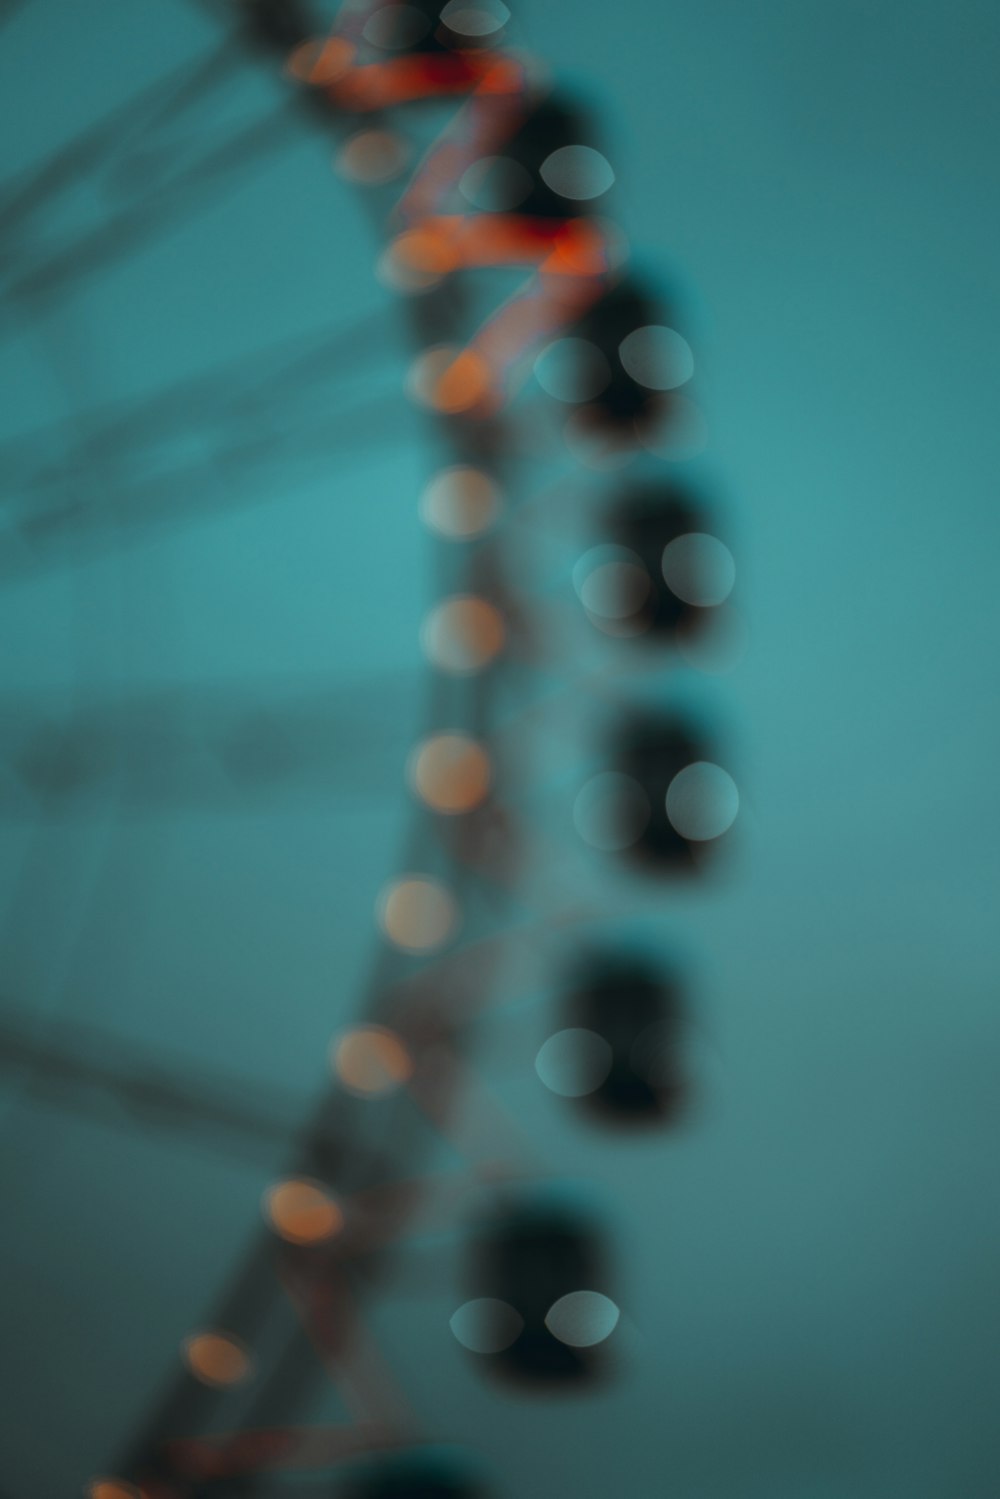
{"type": "Point", "coordinates": [334, 910]}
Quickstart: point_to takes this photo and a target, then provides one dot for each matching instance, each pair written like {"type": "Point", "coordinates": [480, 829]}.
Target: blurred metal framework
{"type": "Point", "coordinates": [209, 1439]}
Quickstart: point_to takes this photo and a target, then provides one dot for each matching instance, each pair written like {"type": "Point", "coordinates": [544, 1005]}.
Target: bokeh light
{"type": "Point", "coordinates": [574, 1062]}
{"type": "Point", "coordinates": [577, 172]}
{"type": "Point", "coordinates": [611, 811]}
{"type": "Point", "coordinates": [113, 1488]}
{"type": "Point", "coordinates": [460, 502]}
{"type": "Point", "coordinates": [699, 569]}
{"type": "Point", "coordinates": [217, 1358]}
{"type": "Point", "coordinates": [582, 1319]}
{"type": "Point", "coordinates": [462, 634]}
{"type": "Point", "coordinates": [417, 914]}
{"type": "Point", "coordinates": [371, 1061]}
{"type": "Point", "coordinates": [482, 19]}
{"type": "Point", "coordinates": [451, 773]}
{"type": "Point", "coordinates": [657, 357]}
{"type": "Point", "coordinates": [321, 62]}
{"type": "Point", "coordinates": [302, 1211]}
{"type": "Point", "coordinates": [445, 379]}
{"type": "Point", "coordinates": [611, 582]}
{"type": "Point", "coordinates": [486, 1325]}
{"type": "Point", "coordinates": [702, 801]}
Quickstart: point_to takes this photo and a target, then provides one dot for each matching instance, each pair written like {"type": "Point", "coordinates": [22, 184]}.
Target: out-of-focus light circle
{"type": "Point", "coordinates": [394, 28]}
{"type": "Point", "coordinates": [495, 184]}
{"type": "Point", "coordinates": [460, 502]}
{"type": "Point", "coordinates": [302, 1212]}
{"type": "Point", "coordinates": [582, 1318]}
{"type": "Point", "coordinates": [422, 257]}
{"type": "Point", "coordinates": [449, 380]}
{"type": "Point", "coordinates": [417, 914]}
{"type": "Point", "coordinates": [407, 280]}
{"type": "Point", "coordinates": [451, 773]}
{"type": "Point", "coordinates": [574, 1062]}
{"type": "Point", "coordinates": [372, 156]}
{"type": "Point", "coordinates": [611, 582]}
{"type": "Point", "coordinates": [657, 357]}
{"type": "Point", "coordinates": [699, 569]}
{"type": "Point", "coordinates": [486, 1325]}
{"type": "Point", "coordinates": [113, 1488]}
{"type": "Point", "coordinates": [577, 172]}
{"type": "Point", "coordinates": [322, 62]}
{"type": "Point", "coordinates": [475, 20]}
{"type": "Point", "coordinates": [371, 1061]}
{"type": "Point", "coordinates": [702, 801]}
{"type": "Point", "coordinates": [217, 1358]}
{"type": "Point", "coordinates": [572, 370]}
{"type": "Point", "coordinates": [611, 811]}
{"type": "Point", "coordinates": [462, 634]}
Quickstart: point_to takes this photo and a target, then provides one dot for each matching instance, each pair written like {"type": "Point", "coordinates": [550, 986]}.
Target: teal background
{"type": "Point", "coordinates": [809, 1269]}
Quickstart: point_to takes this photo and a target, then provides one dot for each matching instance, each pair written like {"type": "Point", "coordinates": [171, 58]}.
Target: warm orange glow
{"type": "Point", "coordinates": [302, 1212]}
{"type": "Point", "coordinates": [216, 1358]}
{"type": "Point", "coordinates": [451, 773]}
{"type": "Point", "coordinates": [113, 1488]}
{"type": "Point", "coordinates": [417, 914]}
{"type": "Point", "coordinates": [464, 383]}
{"type": "Point", "coordinates": [321, 62]}
{"type": "Point", "coordinates": [463, 634]}
{"type": "Point", "coordinates": [427, 250]}
{"type": "Point", "coordinates": [383, 85]}
{"type": "Point", "coordinates": [503, 75]}
{"type": "Point", "coordinates": [372, 1061]}
{"type": "Point", "coordinates": [580, 249]}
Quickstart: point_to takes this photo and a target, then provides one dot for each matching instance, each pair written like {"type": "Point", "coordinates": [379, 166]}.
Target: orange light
{"type": "Point", "coordinates": [464, 383]}
{"type": "Point", "coordinates": [417, 914]}
{"type": "Point", "coordinates": [579, 250]}
{"type": "Point", "coordinates": [321, 62]}
{"type": "Point", "coordinates": [113, 1488]}
{"type": "Point", "coordinates": [216, 1358]}
{"type": "Point", "coordinates": [451, 773]}
{"type": "Point", "coordinates": [463, 634]}
{"type": "Point", "coordinates": [372, 1061]}
{"type": "Point", "coordinates": [426, 250]}
{"type": "Point", "coordinates": [302, 1212]}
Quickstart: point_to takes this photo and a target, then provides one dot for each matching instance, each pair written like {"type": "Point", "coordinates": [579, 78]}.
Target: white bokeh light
{"type": "Point", "coordinates": [582, 1319]}
{"type": "Point", "coordinates": [611, 582]}
{"type": "Point", "coordinates": [486, 1325]}
{"type": "Point", "coordinates": [699, 569]}
{"type": "Point", "coordinates": [702, 801]}
{"type": "Point", "coordinates": [657, 357]}
{"type": "Point", "coordinates": [577, 172]}
{"type": "Point", "coordinates": [574, 1062]}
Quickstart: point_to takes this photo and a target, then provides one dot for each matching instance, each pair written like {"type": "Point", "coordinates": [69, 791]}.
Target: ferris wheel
{"type": "Point", "coordinates": [336, 903]}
